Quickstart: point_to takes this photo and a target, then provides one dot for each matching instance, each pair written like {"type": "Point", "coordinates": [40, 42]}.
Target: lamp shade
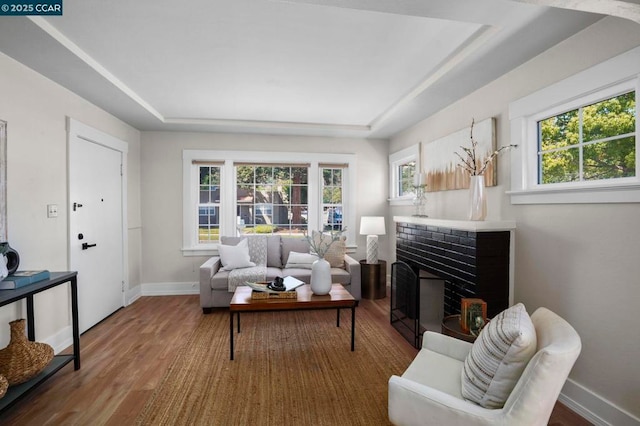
{"type": "Point", "coordinates": [372, 225]}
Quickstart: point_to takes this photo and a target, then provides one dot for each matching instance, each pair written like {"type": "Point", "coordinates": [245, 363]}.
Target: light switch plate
{"type": "Point", "coordinates": [52, 210]}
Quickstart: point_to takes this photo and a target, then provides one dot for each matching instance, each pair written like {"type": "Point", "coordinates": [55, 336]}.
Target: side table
{"type": "Point", "coordinates": [451, 327]}
{"type": "Point", "coordinates": [17, 392]}
{"type": "Point", "coordinates": [374, 279]}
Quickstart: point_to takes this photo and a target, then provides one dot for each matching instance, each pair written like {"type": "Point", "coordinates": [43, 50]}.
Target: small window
{"type": "Point", "coordinates": [593, 142]}
{"type": "Point", "coordinates": [404, 167]}
{"type": "Point", "coordinates": [407, 178]}
{"type": "Point", "coordinates": [578, 138]}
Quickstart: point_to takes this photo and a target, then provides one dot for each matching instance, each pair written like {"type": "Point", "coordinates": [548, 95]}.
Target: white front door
{"type": "Point", "coordinates": [96, 227]}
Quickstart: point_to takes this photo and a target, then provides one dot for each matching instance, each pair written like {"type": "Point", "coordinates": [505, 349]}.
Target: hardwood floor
{"type": "Point", "coordinates": [125, 357]}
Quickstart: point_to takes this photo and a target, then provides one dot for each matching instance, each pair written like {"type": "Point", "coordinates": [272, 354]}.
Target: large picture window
{"type": "Point", "coordinates": [272, 199]}
{"type": "Point", "coordinates": [245, 192]}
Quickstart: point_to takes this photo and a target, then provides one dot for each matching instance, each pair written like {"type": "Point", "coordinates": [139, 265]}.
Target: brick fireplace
{"type": "Point", "coordinates": [475, 259]}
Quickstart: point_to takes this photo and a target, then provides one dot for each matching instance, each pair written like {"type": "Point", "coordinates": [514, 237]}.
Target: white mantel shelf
{"type": "Point", "coordinates": [465, 225]}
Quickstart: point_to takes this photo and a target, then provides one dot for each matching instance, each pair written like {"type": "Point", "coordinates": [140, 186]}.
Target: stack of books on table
{"type": "Point", "coordinates": [260, 290]}
{"type": "Point", "coordinates": [22, 278]}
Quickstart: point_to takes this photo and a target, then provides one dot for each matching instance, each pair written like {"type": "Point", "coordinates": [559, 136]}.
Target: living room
{"type": "Point", "coordinates": [577, 259]}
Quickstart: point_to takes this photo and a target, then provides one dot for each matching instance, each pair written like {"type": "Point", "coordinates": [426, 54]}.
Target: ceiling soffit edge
{"type": "Point", "coordinates": [95, 65]}
{"type": "Point", "coordinates": [474, 42]}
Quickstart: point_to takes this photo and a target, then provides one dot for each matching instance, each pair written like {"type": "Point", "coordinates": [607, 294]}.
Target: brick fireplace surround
{"type": "Point", "coordinates": [475, 259]}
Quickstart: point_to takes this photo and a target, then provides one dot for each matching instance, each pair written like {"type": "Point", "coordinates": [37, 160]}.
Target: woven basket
{"type": "Point", "coordinates": [22, 359]}
{"type": "Point", "coordinates": [4, 385]}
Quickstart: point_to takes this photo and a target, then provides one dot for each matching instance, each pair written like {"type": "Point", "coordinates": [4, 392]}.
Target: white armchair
{"type": "Point", "coordinates": [430, 390]}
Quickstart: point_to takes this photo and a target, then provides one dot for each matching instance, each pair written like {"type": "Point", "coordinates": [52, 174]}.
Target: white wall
{"type": "Point", "coordinates": [162, 260]}
{"type": "Point", "coordinates": [580, 261]}
{"type": "Point", "coordinates": [35, 110]}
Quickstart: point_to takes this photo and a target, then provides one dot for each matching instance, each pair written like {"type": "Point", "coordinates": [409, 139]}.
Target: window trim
{"type": "Point", "coordinates": [605, 80]}
{"type": "Point", "coordinates": [396, 159]}
{"type": "Point", "coordinates": [190, 245]}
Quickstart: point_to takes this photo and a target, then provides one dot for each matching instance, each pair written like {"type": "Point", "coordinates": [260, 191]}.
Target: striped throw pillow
{"type": "Point", "coordinates": [498, 357]}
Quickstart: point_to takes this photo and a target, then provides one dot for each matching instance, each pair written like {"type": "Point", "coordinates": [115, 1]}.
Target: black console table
{"type": "Point", "coordinates": [17, 392]}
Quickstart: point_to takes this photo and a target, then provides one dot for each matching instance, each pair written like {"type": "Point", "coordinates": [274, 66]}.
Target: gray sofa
{"type": "Point", "coordinates": [214, 288]}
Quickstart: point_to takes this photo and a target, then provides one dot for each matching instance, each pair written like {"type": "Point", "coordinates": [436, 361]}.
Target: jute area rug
{"type": "Point", "coordinates": [290, 368]}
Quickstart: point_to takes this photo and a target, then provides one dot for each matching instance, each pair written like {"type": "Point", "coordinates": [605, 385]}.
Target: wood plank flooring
{"type": "Point", "coordinates": [125, 357]}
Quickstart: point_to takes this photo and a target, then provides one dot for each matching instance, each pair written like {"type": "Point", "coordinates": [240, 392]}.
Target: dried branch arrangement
{"type": "Point", "coordinates": [320, 245]}
{"type": "Point", "coordinates": [470, 162]}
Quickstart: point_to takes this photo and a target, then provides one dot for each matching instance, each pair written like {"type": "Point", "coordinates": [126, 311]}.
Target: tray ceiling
{"type": "Point", "coordinates": [341, 68]}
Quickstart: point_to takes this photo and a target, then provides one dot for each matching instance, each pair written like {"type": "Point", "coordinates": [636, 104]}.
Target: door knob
{"type": "Point", "coordinates": [87, 245]}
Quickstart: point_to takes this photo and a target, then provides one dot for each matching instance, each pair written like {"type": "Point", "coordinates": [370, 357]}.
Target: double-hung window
{"type": "Point", "coordinates": [208, 202]}
{"type": "Point", "coordinates": [244, 192]}
{"type": "Point", "coordinates": [332, 199]}
{"type": "Point", "coordinates": [578, 139]}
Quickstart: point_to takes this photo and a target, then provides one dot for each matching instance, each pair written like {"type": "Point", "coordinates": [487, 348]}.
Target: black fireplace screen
{"type": "Point", "coordinates": [405, 302]}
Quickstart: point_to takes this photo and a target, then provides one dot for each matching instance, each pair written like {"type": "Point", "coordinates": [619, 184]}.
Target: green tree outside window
{"type": "Point", "coordinates": [594, 142]}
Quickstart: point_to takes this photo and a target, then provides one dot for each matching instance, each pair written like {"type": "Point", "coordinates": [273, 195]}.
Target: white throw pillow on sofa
{"type": "Point", "coordinates": [300, 260]}
{"type": "Point", "coordinates": [498, 357]}
{"type": "Point", "coordinates": [235, 257]}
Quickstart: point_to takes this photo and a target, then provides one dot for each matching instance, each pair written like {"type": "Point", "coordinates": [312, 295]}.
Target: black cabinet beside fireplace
{"type": "Point", "coordinates": [472, 263]}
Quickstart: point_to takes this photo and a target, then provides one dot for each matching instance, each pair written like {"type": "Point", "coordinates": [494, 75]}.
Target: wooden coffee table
{"type": "Point", "coordinates": [338, 298]}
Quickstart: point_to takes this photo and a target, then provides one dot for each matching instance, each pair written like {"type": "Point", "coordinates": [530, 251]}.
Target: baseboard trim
{"type": "Point", "coordinates": [133, 294]}
{"type": "Point", "coordinates": [169, 289]}
{"type": "Point", "coordinates": [61, 340]}
{"type": "Point", "coordinates": [600, 411]}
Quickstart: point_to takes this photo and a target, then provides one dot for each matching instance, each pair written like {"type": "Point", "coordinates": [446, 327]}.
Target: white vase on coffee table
{"type": "Point", "coordinates": [320, 277]}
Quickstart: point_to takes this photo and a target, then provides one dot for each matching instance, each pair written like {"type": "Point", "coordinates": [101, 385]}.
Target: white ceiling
{"type": "Point", "coordinates": [362, 68]}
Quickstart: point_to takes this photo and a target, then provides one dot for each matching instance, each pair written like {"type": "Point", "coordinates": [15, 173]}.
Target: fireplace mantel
{"type": "Point", "coordinates": [465, 225]}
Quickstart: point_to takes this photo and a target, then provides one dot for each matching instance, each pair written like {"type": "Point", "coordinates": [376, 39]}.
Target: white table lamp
{"type": "Point", "coordinates": [372, 226]}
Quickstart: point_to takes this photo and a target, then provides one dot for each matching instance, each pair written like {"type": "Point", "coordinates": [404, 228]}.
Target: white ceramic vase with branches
{"type": "Point", "coordinates": [476, 167]}
{"type": "Point", "coordinates": [321, 269]}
